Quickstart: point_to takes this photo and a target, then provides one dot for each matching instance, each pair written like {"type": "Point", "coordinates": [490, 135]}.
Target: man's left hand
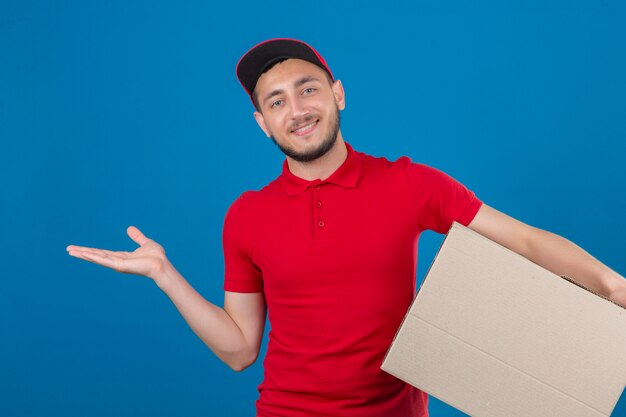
{"type": "Point", "coordinates": [619, 296]}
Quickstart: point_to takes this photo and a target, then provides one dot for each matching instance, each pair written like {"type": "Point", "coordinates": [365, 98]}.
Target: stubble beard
{"type": "Point", "coordinates": [323, 148]}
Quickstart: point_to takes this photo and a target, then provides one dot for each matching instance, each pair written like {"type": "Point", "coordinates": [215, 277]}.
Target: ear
{"type": "Point", "coordinates": [340, 95]}
{"type": "Point", "coordinates": [258, 116]}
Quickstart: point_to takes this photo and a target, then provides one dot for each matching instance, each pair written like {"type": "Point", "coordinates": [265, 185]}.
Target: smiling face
{"type": "Point", "coordinates": [299, 109]}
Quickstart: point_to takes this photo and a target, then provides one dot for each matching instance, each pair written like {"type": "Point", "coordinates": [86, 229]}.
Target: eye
{"type": "Point", "coordinates": [309, 90]}
{"type": "Point", "coordinates": [276, 103]}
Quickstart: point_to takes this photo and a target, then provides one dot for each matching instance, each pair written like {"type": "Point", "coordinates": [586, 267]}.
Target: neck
{"type": "Point", "coordinates": [322, 167]}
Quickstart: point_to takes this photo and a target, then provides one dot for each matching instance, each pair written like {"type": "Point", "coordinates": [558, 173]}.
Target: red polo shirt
{"type": "Point", "coordinates": [336, 260]}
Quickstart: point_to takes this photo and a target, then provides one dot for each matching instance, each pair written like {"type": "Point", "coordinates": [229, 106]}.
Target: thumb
{"type": "Point", "coordinates": [136, 235]}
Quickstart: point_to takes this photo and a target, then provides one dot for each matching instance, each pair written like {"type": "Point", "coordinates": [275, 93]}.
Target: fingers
{"type": "Point", "coordinates": [73, 248]}
{"type": "Point", "coordinates": [619, 297]}
{"type": "Point", "coordinates": [136, 235]}
{"type": "Point", "coordinates": [97, 256]}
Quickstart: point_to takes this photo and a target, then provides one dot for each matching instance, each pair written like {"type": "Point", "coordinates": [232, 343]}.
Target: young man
{"type": "Point", "coordinates": [330, 249]}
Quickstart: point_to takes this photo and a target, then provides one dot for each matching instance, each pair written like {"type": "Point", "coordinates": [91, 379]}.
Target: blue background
{"type": "Point", "coordinates": [119, 113]}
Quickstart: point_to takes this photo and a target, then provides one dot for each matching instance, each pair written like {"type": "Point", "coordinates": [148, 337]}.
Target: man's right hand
{"type": "Point", "coordinates": [148, 259]}
{"type": "Point", "coordinates": [233, 333]}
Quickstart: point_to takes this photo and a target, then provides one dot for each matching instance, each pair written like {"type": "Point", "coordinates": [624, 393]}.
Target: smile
{"type": "Point", "coordinates": [306, 129]}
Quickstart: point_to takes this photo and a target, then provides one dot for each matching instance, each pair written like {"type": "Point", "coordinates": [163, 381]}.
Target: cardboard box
{"type": "Point", "coordinates": [493, 334]}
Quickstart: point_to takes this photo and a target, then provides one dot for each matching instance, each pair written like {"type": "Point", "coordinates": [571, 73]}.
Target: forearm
{"type": "Point", "coordinates": [212, 324]}
{"type": "Point", "coordinates": [563, 257]}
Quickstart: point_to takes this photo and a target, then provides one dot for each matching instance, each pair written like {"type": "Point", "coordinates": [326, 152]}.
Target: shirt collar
{"type": "Point", "coordinates": [345, 176]}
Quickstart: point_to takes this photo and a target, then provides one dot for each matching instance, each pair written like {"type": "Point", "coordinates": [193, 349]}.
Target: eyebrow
{"type": "Point", "coordinates": [298, 83]}
{"type": "Point", "coordinates": [304, 80]}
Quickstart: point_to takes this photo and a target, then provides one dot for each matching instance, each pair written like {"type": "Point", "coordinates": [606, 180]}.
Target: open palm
{"type": "Point", "coordinates": [148, 259]}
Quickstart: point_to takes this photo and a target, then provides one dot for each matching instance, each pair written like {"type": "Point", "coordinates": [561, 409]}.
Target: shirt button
{"type": "Point", "coordinates": [317, 187]}
{"type": "Point", "coordinates": [319, 204]}
{"type": "Point", "coordinates": [321, 223]}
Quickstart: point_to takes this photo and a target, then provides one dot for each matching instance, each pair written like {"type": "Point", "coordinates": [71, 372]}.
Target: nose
{"type": "Point", "coordinates": [298, 108]}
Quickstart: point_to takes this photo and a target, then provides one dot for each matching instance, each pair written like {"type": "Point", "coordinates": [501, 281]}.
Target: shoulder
{"type": "Point", "coordinates": [245, 199]}
{"type": "Point", "coordinates": [252, 200]}
{"type": "Point", "coordinates": [238, 210]}
{"type": "Point", "coordinates": [402, 166]}
{"type": "Point", "coordinates": [379, 164]}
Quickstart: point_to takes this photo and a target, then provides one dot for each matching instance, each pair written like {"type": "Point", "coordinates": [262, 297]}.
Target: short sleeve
{"type": "Point", "coordinates": [240, 272]}
{"type": "Point", "coordinates": [439, 199]}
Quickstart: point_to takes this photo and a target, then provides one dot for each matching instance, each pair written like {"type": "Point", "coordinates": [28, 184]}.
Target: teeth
{"type": "Point", "coordinates": [303, 128]}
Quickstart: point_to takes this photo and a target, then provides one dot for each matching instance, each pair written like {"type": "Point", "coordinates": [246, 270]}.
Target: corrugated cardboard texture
{"type": "Point", "coordinates": [493, 334]}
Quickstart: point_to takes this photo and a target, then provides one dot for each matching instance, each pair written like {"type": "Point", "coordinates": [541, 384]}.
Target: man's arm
{"type": "Point", "coordinates": [233, 333]}
{"type": "Point", "coordinates": [550, 251]}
